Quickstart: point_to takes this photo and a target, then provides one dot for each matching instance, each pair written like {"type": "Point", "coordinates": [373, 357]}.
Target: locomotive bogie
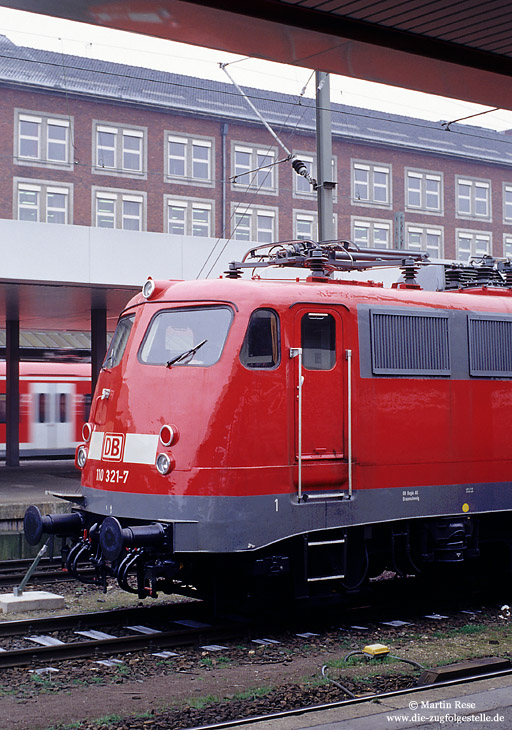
{"type": "Point", "coordinates": [305, 434]}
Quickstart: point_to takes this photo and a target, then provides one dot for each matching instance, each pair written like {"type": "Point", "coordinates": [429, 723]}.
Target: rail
{"type": "Point", "coordinates": [141, 637]}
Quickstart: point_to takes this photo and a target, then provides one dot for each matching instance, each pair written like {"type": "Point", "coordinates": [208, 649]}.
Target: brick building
{"type": "Point", "coordinates": [92, 143]}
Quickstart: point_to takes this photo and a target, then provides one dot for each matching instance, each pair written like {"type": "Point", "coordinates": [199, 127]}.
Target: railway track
{"type": "Point", "coordinates": [12, 572]}
{"type": "Point", "coordinates": [62, 637]}
{"type": "Point", "coordinates": [184, 628]}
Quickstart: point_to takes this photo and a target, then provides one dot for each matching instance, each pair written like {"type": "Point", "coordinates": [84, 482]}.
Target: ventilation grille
{"type": "Point", "coordinates": [410, 344]}
{"type": "Point", "coordinates": [490, 347]}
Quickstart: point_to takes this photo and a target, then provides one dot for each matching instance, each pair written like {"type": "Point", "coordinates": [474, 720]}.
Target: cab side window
{"type": "Point", "coordinates": [318, 335]}
{"type": "Point", "coordinates": [119, 341]}
{"type": "Point", "coordinates": [261, 346]}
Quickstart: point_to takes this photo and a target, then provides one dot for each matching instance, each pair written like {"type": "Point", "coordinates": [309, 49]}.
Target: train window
{"type": "Point", "coordinates": [410, 344]}
{"type": "Point", "coordinates": [3, 408]}
{"type": "Point", "coordinates": [318, 338]}
{"type": "Point", "coordinates": [490, 346]}
{"type": "Point", "coordinates": [63, 408]}
{"type": "Point", "coordinates": [43, 403]}
{"type": "Point", "coordinates": [260, 348]}
{"type": "Point", "coordinates": [192, 336]}
{"type": "Point", "coordinates": [118, 343]}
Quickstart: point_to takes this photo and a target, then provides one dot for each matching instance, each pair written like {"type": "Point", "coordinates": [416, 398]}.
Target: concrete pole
{"type": "Point", "coordinates": [324, 157]}
{"type": "Point", "coordinates": [12, 357]}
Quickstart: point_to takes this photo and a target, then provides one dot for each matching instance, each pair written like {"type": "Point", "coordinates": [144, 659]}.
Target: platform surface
{"type": "Point", "coordinates": [33, 482]}
{"type": "Point", "coordinates": [33, 479]}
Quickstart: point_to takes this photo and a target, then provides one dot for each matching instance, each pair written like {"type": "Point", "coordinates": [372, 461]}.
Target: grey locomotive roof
{"type": "Point", "coordinates": [74, 75]}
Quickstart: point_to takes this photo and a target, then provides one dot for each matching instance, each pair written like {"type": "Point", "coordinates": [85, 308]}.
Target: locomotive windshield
{"type": "Point", "coordinates": [192, 336]}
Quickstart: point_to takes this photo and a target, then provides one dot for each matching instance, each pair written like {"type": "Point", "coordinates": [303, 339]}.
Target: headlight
{"type": "Point", "coordinates": [148, 288]}
{"type": "Point", "coordinates": [164, 463]}
{"type": "Point", "coordinates": [168, 435]}
{"type": "Point", "coordinates": [87, 430]}
{"type": "Point", "coordinates": [81, 457]}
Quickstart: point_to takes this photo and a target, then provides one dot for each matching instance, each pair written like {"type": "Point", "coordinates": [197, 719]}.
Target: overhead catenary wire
{"type": "Point", "coordinates": [200, 59]}
{"type": "Point", "coordinates": [249, 204]}
{"type": "Point", "coordinates": [362, 113]}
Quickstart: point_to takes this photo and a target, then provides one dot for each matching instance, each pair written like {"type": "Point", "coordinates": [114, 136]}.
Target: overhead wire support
{"type": "Point", "coordinates": [257, 169]}
{"type": "Point", "coordinates": [446, 125]}
{"type": "Point", "coordinates": [255, 110]}
{"type": "Point", "coordinates": [299, 166]}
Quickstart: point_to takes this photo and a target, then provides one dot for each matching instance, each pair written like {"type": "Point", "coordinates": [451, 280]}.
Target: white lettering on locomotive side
{"type": "Point", "coordinates": [112, 476]}
{"type": "Point", "coordinates": [113, 446]}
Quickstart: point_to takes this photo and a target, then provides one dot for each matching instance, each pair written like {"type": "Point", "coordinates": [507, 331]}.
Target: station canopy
{"type": "Point", "coordinates": [461, 50]}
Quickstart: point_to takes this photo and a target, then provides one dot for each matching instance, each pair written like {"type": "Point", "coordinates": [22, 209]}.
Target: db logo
{"type": "Point", "coordinates": [113, 447]}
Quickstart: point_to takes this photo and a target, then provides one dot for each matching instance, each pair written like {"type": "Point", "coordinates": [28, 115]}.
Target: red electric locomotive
{"type": "Point", "coordinates": [306, 434]}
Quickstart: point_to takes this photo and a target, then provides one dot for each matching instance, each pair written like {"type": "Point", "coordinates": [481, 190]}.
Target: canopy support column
{"type": "Point", "coordinates": [12, 429]}
{"type": "Point", "coordinates": [98, 341]}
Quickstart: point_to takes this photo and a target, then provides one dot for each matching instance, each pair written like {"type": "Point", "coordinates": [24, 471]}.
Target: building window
{"type": "Point", "coordinates": [189, 217]}
{"type": "Point", "coordinates": [369, 233]}
{"type": "Point", "coordinates": [371, 184]}
{"type": "Point", "coordinates": [120, 151]}
{"type": "Point", "coordinates": [305, 225]}
{"type": "Point", "coordinates": [254, 224]}
{"type": "Point", "coordinates": [507, 203]}
{"type": "Point", "coordinates": [42, 203]}
{"type": "Point", "coordinates": [189, 160]}
{"type": "Point", "coordinates": [131, 216]}
{"type": "Point", "coordinates": [507, 246]}
{"type": "Point", "coordinates": [43, 140]}
{"type": "Point", "coordinates": [473, 198]}
{"type": "Point", "coordinates": [119, 209]}
{"type": "Point", "coordinates": [423, 238]}
{"type": "Point", "coordinates": [254, 168]}
{"type": "Point", "coordinates": [472, 244]}
{"type": "Point", "coordinates": [423, 191]}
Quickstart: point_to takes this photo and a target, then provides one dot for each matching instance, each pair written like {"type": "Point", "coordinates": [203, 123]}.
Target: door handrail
{"type": "Point", "coordinates": [297, 352]}
{"type": "Point", "coordinates": [348, 355]}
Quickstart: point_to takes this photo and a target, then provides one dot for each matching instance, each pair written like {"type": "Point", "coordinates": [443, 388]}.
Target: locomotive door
{"type": "Point", "coordinates": [319, 408]}
{"type": "Point", "coordinates": [52, 405]}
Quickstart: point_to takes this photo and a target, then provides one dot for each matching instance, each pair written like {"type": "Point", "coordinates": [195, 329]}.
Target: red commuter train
{"type": "Point", "coordinates": [302, 435]}
{"type": "Point", "coordinates": [54, 403]}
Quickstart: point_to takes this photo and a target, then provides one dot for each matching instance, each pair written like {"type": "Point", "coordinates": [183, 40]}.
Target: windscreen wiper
{"type": "Point", "coordinates": [185, 354]}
